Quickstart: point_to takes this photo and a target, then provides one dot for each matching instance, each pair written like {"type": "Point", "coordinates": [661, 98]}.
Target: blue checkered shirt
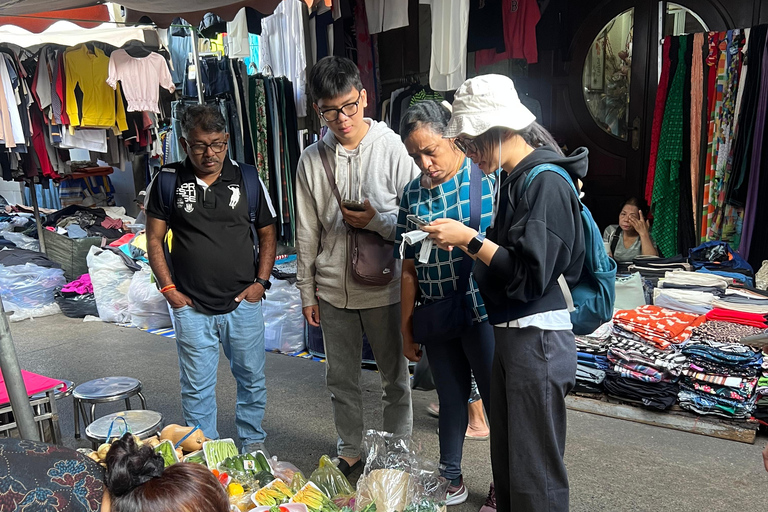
{"type": "Point", "coordinates": [439, 276]}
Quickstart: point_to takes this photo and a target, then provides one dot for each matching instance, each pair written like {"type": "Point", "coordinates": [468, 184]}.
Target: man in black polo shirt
{"type": "Point", "coordinates": [213, 283]}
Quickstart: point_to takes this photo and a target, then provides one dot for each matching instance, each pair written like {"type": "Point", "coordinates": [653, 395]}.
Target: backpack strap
{"type": "Point", "coordinates": [252, 183]}
{"type": "Point", "coordinates": [475, 211]}
{"type": "Point", "coordinates": [528, 179]}
{"type": "Point", "coordinates": [166, 180]}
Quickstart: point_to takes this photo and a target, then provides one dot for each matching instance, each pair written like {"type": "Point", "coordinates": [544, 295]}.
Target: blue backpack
{"type": "Point", "coordinates": [166, 180]}
{"type": "Point", "coordinates": [591, 301]}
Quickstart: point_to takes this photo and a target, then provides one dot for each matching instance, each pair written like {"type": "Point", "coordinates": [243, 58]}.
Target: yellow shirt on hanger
{"type": "Point", "coordinates": [102, 106]}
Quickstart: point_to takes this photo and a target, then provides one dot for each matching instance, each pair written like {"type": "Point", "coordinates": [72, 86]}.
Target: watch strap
{"type": "Point", "coordinates": [263, 282]}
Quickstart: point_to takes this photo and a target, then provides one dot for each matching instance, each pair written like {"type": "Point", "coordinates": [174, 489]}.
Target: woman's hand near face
{"type": "Point", "coordinates": [640, 224]}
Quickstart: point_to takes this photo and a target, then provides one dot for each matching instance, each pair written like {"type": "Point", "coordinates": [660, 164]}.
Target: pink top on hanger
{"type": "Point", "coordinates": [141, 78]}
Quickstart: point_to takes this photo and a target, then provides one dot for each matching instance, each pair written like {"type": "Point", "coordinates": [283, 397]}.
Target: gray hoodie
{"type": "Point", "coordinates": [378, 170]}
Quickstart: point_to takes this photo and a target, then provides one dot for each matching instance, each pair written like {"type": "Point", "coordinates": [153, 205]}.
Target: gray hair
{"type": "Point", "coordinates": [430, 114]}
{"type": "Point", "coordinates": [205, 118]}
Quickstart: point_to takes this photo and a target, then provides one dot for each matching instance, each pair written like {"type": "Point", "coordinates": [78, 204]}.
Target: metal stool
{"type": "Point", "coordinates": [100, 391]}
{"type": "Point", "coordinates": [46, 407]}
{"type": "Point", "coordinates": [142, 423]}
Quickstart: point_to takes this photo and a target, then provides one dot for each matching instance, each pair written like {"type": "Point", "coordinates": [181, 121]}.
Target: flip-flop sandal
{"type": "Point", "coordinates": [346, 469]}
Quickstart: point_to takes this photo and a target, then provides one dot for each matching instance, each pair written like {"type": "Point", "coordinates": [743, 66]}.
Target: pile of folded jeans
{"type": "Point", "coordinates": [656, 325]}
{"type": "Point", "coordinates": [720, 377]}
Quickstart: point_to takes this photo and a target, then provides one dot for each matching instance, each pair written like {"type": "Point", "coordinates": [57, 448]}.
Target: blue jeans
{"type": "Point", "coordinates": [241, 334]}
{"type": "Point", "coordinates": [453, 362]}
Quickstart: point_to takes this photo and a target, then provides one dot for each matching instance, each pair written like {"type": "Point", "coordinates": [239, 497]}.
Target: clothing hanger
{"type": "Point", "coordinates": [136, 49]}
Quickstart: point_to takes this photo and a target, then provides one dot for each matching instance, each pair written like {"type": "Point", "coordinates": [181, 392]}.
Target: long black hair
{"type": "Point", "coordinates": [534, 135]}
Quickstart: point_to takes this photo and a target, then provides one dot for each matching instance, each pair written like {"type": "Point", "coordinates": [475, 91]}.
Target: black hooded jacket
{"type": "Point", "coordinates": [540, 236]}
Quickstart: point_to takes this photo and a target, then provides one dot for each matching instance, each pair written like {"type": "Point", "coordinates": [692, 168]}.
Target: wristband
{"type": "Point", "coordinates": [167, 288]}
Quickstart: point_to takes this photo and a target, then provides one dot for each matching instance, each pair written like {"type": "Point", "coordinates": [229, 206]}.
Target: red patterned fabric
{"type": "Point", "coordinates": [658, 117]}
{"type": "Point", "coordinates": [660, 326]}
{"type": "Point", "coordinates": [738, 317]}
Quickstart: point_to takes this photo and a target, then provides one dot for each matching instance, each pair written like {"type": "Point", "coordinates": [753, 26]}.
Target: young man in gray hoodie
{"type": "Point", "coordinates": [371, 166]}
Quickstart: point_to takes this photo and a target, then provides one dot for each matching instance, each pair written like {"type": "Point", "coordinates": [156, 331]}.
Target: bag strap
{"type": "Point", "coordinates": [615, 239]}
{"type": "Point", "coordinates": [166, 180]}
{"type": "Point", "coordinates": [321, 147]}
{"type": "Point", "coordinates": [563, 174]}
{"type": "Point", "coordinates": [475, 211]}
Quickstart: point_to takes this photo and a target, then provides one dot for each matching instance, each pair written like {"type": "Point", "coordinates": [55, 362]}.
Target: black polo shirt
{"type": "Point", "coordinates": [212, 246]}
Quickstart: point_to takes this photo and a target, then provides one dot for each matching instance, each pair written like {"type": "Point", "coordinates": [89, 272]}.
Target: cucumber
{"type": "Point", "coordinates": [261, 460]}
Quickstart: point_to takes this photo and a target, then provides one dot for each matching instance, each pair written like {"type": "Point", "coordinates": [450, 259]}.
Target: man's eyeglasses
{"type": "Point", "coordinates": [465, 145]}
{"type": "Point", "coordinates": [201, 149]}
{"type": "Point", "coordinates": [348, 110]}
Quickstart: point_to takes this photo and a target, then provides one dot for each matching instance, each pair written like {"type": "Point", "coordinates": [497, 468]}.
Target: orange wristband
{"type": "Point", "coordinates": [167, 288]}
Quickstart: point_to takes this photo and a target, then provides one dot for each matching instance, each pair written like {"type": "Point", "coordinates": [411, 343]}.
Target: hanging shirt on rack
{"type": "Point", "coordinates": [520, 19]}
{"type": "Point", "coordinates": [179, 46]}
{"type": "Point", "coordinates": [101, 107]}
{"type": "Point", "coordinates": [237, 36]}
{"type": "Point", "coordinates": [10, 82]}
{"type": "Point", "coordinates": [282, 49]}
{"type": "Point", "coordinates": [450, 21]}
{"type": "Point", "coordinates": [386, 15]}
{"type": "Point", "coordinates": [141, 77]}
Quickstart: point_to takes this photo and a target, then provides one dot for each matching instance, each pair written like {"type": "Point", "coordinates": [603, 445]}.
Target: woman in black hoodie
{"type": "Point", "coordinates": [536, 237]}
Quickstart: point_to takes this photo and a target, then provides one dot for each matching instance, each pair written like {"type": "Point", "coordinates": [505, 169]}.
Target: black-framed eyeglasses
{"type": "Point", "coordinates": [465, 145]}
{"type": "Point", "coordinates": [201, 149]}
{"type": "Point", "coordinates": [350, 109]}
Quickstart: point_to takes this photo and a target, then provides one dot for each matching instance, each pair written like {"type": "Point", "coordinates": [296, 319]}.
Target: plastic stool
{"type": "Point", "coordinates": [100, 391]}
{"type": "Point", "coordinates": [143, 424]}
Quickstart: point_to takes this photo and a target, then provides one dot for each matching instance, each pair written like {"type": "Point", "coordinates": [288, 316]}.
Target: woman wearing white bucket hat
{"type": "Point", "coordinates": [536, 236]}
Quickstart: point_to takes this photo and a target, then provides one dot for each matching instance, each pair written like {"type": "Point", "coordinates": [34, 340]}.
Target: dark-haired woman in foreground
{"type": "Point", "coordinates": [37, 476]}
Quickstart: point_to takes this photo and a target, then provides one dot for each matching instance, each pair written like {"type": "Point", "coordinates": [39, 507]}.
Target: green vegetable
{"type": "Point", "coordinates": [264, 477]}
{"type": "Point", "coordinates": [262, 462]}
{"type": "Point", "coordinates": [165, 449]}
{"type": "Point", "coordinates": [218, 451]}
{"type": "Point", "coordinates": [196, 459]}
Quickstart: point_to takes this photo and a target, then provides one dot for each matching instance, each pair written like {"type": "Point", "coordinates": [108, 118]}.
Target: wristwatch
{"type": "Point", "coordinates": [263, 282]}
{"type": "Point", "coordinates": [474, 245]}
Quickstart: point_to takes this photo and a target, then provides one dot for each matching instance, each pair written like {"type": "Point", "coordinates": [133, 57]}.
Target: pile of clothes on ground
{"type": "Point", "coordinates": [79, 222]}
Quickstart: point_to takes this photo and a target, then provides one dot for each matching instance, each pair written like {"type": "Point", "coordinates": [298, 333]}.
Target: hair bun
{"type": "Point", "coordinates": [129, 466]}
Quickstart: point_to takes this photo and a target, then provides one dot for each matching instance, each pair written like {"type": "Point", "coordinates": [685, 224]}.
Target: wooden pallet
{"type": "Point", "coordinates": [677, 419]}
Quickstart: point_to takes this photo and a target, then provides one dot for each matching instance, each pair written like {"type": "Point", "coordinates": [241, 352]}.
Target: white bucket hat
{"type": "Point", "coordinates": [485, 102]}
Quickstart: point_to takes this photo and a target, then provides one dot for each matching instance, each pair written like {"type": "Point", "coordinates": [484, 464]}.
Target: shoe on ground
{"type": "Point", "coordinates": [433, 410]}
{"type": "Point", "coordinates": [344, 466]}
{"type": "Point", "coordinates": [490, 501]}
{"type": "Point", "coordinates": [255, 447]}
{"type": "Point", "coordinates": [457, 494]}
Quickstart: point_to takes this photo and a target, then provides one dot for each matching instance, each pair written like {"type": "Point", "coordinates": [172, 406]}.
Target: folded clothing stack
{"type": "Point", "coordinates": [720, 377]}
{"type": "Point", "coordinates": [660, 326]}
{"type": "Point", "coordinates": [590, 372]}
{"type": "Point", "coordinates": [739, 317]}
{"type": "Point", "coordinates": [688, 301]}
{"type": "Point", "coordinates": [658, 395]}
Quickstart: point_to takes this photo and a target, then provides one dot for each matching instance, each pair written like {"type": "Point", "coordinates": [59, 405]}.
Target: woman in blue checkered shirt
{"type": "Point", "coordinates": [442, 191]}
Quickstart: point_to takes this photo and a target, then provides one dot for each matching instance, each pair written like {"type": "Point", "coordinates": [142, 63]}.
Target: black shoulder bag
{"type": "Point", "coordinates": [449, 317]}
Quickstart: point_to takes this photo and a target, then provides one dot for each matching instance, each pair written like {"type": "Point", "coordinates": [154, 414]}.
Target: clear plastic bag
{"type": "Point", "coordinates": [427, 491]}
{"type": "Point", "coordinates": [284, 470]}
{"type": "Point", "coordinates": [761, 278]}
{"type": "Point", "coordinates": [28, 288]}
{"type": "Point", "coordinates": [386, 479]}
{"type": "Point", "coordinates": [111, 280]}
{"type": "Point", "coordinates": [332, 481]}
{"type": "Point", "coordinates": [147, 306]}
{"type": "Point", "coordinates": [283, 318]}
{"type": "Point", "coordinates": [22, 241]}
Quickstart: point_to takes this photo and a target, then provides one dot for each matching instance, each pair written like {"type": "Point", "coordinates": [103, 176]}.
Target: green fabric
{"type": "Point", "coordinates": [258, 125]}
{"type": "Point", "coordinates": [666, 184]}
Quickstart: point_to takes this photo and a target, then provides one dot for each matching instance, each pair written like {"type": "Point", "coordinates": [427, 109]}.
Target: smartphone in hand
{"type": "Point", "coordinates": [417, 220]}
{"type": "Point", "coordinates": [356, 206]}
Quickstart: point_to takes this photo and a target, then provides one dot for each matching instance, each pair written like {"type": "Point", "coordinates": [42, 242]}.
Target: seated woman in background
{"type": "Point", "coordinates": [631, 237]}
{"type": "Point", "coordinates": [37, 476]}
